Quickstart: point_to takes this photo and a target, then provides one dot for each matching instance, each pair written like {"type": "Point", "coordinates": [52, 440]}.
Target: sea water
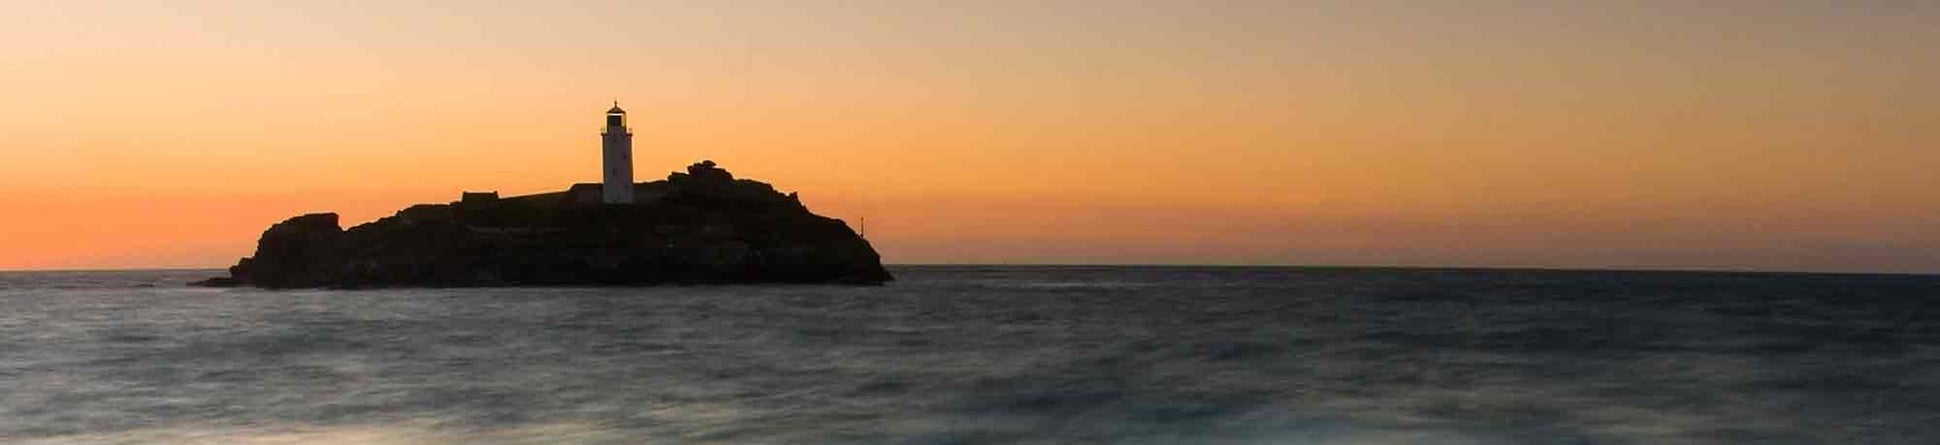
{"type": "Point", "coordinates": [984, 355]}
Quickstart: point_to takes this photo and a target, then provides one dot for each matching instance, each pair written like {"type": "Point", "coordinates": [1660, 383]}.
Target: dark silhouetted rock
{"type": "Point", "coordinates": [698, 227]}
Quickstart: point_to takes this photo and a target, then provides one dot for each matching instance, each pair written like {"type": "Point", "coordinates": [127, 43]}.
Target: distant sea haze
{"type": "Point", "coordinates": [984, 355]}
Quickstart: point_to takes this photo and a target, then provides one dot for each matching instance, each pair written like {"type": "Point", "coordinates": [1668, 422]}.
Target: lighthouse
{"type": "Point", "coordinates": [616, 142]}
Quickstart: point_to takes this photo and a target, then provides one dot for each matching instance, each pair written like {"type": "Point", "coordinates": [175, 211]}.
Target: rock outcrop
{"type": "Point", "coordinates": [698, 227]}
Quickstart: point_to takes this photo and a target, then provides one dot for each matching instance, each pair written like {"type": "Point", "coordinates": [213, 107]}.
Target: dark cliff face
{"type": "Point", "coordinates": [699, 227]}
{"type": "Point", "coordinates": [293, 253]}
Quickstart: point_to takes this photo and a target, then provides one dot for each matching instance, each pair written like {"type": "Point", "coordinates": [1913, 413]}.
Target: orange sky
{"type": "Point", "coordinates": [1774, 135]}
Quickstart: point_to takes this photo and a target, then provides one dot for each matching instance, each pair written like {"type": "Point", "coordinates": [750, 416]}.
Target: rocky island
{"type": "Point", "coordinates": [698, 227]}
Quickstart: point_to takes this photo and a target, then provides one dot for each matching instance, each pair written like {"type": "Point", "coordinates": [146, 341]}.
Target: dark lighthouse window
{"type": "Point", "coordinates": [615, 120]}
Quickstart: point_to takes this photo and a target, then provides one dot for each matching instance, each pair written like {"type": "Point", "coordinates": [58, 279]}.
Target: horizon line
{"type": "Point", "coordinates": [1646, 269]}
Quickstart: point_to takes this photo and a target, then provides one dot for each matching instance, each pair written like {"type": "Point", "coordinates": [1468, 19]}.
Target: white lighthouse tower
{"type": "Point", "coordinates": [616, 141]}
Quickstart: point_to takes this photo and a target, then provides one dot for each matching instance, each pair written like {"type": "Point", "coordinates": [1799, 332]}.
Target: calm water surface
{"type": "Point", "coordinates": [984, 355]}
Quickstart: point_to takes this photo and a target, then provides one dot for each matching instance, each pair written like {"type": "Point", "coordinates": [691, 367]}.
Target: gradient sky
{"type": "Point", "coordinates": [1770, 135]}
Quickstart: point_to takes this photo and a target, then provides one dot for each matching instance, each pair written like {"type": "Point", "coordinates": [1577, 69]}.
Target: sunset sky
{"type": "Point", "coordinates": [1764, 135]}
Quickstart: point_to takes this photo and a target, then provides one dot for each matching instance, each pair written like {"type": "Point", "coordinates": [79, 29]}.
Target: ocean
{"type": "Point", "coordinates": [984, 355]}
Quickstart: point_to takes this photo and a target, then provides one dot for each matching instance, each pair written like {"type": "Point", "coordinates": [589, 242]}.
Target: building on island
{"type": "Point", "coordinates": [478, 199]}
{"type": "Point", "coordinates": [617, 146]}
{"type": "Point", "coordinates": [586, 193]}
{"type": "Point", "coordinates": [616, 149]}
